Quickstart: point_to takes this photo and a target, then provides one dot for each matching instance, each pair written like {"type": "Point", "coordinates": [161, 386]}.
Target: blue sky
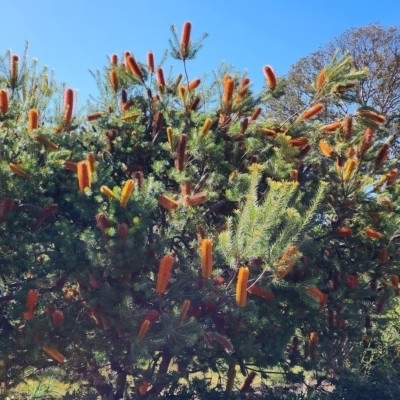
{"type": "Point", "coordinates": [73, 36]}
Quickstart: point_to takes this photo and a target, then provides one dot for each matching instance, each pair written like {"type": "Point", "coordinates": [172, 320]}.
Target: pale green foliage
{"type": "Point", "coordinates": [266, 228]}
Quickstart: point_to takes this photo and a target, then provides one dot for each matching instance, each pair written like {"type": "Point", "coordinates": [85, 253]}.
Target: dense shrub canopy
{"type": "Point", "coordinates": [181, 230]}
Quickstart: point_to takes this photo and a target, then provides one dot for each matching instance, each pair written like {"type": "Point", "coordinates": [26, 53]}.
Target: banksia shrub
{"type": "Point", "coordinates": [33, 119]}
{"type": "Point", "coordinates": [164, 273]}
{"type": "Point", "coordinates": [206, 258]}
{"type": "Point", "coordinates": [126, 192]}
{"type": "Point", "coordinates": [241, 286]}
{"type": "Point", "coordinates": [84, 180]}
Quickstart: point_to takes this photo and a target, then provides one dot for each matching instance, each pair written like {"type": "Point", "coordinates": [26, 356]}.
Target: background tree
{"type": "Point", "coordinates": [180, 229]}
{"type": "Point", "coordinates": [373, 47]}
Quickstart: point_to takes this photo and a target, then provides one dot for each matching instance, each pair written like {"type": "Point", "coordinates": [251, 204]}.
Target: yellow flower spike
{"type": "Point", "coordinates": [127, 192]}
{"type": "Point", "coordinates": [107, 192]}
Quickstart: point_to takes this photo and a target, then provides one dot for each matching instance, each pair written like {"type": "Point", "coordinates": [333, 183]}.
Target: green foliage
{"type": "Point", "coordinates": [260, 188]}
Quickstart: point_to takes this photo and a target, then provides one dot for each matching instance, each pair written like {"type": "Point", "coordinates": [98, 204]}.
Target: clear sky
{"type": "Point", "coordinates": [75, 35]}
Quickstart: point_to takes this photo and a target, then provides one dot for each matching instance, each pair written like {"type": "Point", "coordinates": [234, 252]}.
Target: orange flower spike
{"type": "Point", "coordinates": [33, 119]}
{"type": "Point", "coordinates": [32, 299]}
{"type": "Point", "coordinates": [241, 287]}
{"type": "Point", "coordinates": [299, 142]}
{"type": "Point", "coordinates": [373, 233]}
{"type": "Point", "coordinates": [372, 116]}
{"type": "Point", "coordinates": [106, 191]}
{"type": "Point", "coordinates": [228, 90]}
{"type": "Point", "coordinates": [347, 127]}
{"type": "Point", "coordinates": [167, 203]}
{"type": "Point", "coordinates": [382, 156]}
{"type": "Point", "coordinates": [126, 192]}
{"type": "Point", "coordinates": [195, 199]}
{"type": "Point", "coordinates": [14, 70]}
{"type": "Point", "coordinates": [184, 310]}
{"type": "Point", "coordinates": [181, 152]}
{"type": "Point", "coordinates": [18, 171]}
{"type": "Point", "coordinates": [206, 126]}
{"type": "Point", "coordinates": [83, 171]}
{"type": "Point", "coordinates": [392, 177]}
{"type": "Point", "coordinates": [4, 101]}
{"type": "Point", "coordinates": [313, 111]}
{"type": "Point", "coordinates": [195, 83]}
{"type": "Point", "coordinates": [144, 328]}
{"type": "Point", "coordinates": [57, 317]}
{"type": "Point", "coordinates": [164, 273]}
{"type": "Point", "coordinates": [160, 77]}
{"type": "Point", "coordinates": [260, 292]}
{"type": "Point", "coordinates": [144, 387]}
{"type": "Point", "coordinates": [344, 232]}
{"type": "Point", "coordinates": [53, 353]}
{"type": "Point", "coordinates": [383, 257]}
{"type": "Point", "coordinates": [270, 77]}
{"type": "Point", "coordinates": [395, 282]}
{"type": "Point", "coordinates": [71, 166]}
{"type": "Point", "coordinates": [321, 79]}
{"type": "Point", "coordinates": [114, 59]}
{"type": "Point", "coordinates": [134, 67]}
{"type": "Point", "coordinates": [185, 39]}
{"type": "Point", "coordinates": [349, 168]}
{"type": "Point", "coordinates": [150, 61]}
{"type": "Point", "coordinates": [114, 80]}
{"type": "Point", "coordinates": [41, 139]}
{"type": "Point", "coordinates": [334, 126]}
{"type": "Point", "coordinates": [326, 149]}
{"type": "Point", "coordinates": [91, 160]}
{"type": "Point", "coordinates": [313, 338]}
{"type": "Point", "coordinates": [255, 114]}
{"type": "Point", "coordinates": [367, 140]}
{"type": "Point", "coordinates": [206, 258]}
{"type": "Point", "coordinates": [68, 106]}
{"type": "Point", "coordinates": [94, 116]}
{"type": "Point", "coordinates": [294, 175]}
